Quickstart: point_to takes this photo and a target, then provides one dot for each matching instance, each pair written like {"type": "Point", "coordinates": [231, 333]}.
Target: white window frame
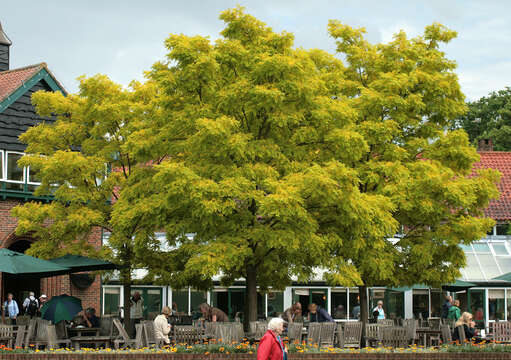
{"type": "Point", "coordinates": [5, 168]}
{"type": "Point", "coordinates": [2, 171]}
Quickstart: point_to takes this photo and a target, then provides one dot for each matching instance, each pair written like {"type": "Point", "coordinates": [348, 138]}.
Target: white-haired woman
{"type": "Point", "coordinates": [271, 346]}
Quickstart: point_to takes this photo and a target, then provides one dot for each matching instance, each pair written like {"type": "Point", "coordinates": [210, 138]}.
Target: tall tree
{"type": "Point", "coordinates": [83, 160]}
{"type": "Point", "coordinates": [489, 118]}
{"type": "Point", "coordinates": [406, 96]}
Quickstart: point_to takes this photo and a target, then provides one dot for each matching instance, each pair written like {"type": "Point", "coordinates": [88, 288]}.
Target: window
{"type": "Point", "coordinates": [197, 298]}
{"type": "Point", "coordinates": [496, 304]}
{"type": "Point", "coordinates": [420, 303]}
{"type": "Point", "coordinates": [354, 308]}
{"type": "Point", "coordinates": [437, 300]}
{"type": "Point", "coordinates": [1, 164]}
{"type": "Point", "coordinates": [275, 303]}
{"type": "Point", "coordinates": [489, 264]}
{"type": "Point", "coordinates": [502, 229]}
{"type": "Point", "coordinates": [477, 306]}
{"type": "Point", "coordinates": [500, 249]}
{"type": "Point", "coordinates": [481, 248]}
{"type": "Point", "coordinates": [394, 304]}
{"type": "Point", "coordinates": [112, 299]}
{"type": "Point", "coordinates": [339, 300]}
{"type": "Point", "coordinates": [180, 300]}
{"type": "Point", "coordinates": [15, 175]}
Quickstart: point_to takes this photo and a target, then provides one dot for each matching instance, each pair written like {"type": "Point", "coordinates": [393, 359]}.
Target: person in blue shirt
{"type": "Point", "coordinates": [11, 308]}
{"type": "Point", "coordinates": [379, 309]}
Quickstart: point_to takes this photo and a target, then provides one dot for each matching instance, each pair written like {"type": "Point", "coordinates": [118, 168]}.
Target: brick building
{"type": "Point", "coordinates": [17, 114]}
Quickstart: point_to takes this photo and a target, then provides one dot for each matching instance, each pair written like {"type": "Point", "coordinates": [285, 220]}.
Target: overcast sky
{"type": "Point", "coordinates": [123, 38]}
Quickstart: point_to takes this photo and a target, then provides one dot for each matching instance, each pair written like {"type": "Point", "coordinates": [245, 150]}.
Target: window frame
{"type": "Point", "coordinates": [5, 170]}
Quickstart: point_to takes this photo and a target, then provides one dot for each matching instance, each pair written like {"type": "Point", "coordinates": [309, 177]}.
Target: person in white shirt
{"type": "Point", "coordinates": [379, 309]}
{"type": "Point", "coordinates": [161, 325]}
{"type": "Point", "coordinates": [31, 305]}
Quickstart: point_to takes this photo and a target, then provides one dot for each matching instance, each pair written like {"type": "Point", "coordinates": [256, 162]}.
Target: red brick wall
{"type": "Point", "coordinates": [91, 297]}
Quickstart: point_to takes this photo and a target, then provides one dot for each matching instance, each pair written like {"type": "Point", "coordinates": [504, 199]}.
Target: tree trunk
{"type": "Point", "coordinates": [126, 282]}
{"type": "Point", "coordinates": [362, 293]}
{"type": "Point", "coordinates": [251, 296]}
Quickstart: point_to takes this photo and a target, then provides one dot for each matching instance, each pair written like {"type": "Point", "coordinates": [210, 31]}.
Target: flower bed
{"type": "Point", "coordinates": [247, 351]}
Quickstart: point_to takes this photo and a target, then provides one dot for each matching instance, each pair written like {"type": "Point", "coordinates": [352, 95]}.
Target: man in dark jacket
{"type": "Point", "coordinates": [318, 314]}
{"type": "Point", "coordinates": [446, 306]}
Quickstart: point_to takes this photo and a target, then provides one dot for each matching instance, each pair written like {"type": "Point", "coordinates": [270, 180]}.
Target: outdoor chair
{"type": "Point", "coordinates": [461, 334]}
{"type": "Point", "coordinates": [394, 336]}
{"type": "Point", "coordinates": [41, 335]}
{"type": "Point", "coordinates": [61, 330]}
{"type": "Point", "coordinates": [411, 328]}
{"type": "Point", "coordinates": [434, 323]}
{"type": "Point", "coordinates": [149, 336]}
{"type": "Point", "coordinates": [351, 334]}
{"type": "Point", "coordinates": [327, 334]}
{"type": "Point", "coordinates": [124, 339]}
{"type": "Point", "coordinates": [22, 320]}
{"type": "Point", "coordinates": [20, 336]}
{"type": "Point", "coordinates": [446, 334]}
{"type": "Point", "coordinates": [385, 322]}
{"type": "Point", "coordinates": [237, 332]}
{"type": "Point", "coordinates": [186, 334]}
{"type": "Point", "coordinates": [372, 334]}
{"type": "Point", "coordinates": [53, 340]}
{"type": "Point", "coordinates": [314, 333]}
{"type": "Point", "coordinates": [6, 334]}
{"type": "Point", "coordinates": [261, 329]}
{"type": "Point", "coordinates": [210, 330]}
{"type": "Point", "coordinates": [106, 325]}
{"type": "Point", "coordinates": [30, 334]}
{"type": "Point", "coordinates": [294, 333]}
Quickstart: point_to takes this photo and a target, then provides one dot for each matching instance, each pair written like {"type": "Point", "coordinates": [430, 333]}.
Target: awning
{"type": "Point", "coordinates": [24, 265]}
{"type": "Point", "coordinates": [78, 263]}
{"type": "Point", "coordinates": [407, 288]}
{"type": "Point", "coordinates": [459, 285]}
{"type": "Point", "coordinates": [505, 277]}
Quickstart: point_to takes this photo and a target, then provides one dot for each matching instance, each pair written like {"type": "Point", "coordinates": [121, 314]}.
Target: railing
{"type": "Point", "coordinates": [20, 190]}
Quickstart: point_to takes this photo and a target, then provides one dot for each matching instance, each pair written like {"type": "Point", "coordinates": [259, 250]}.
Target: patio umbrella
{"type": "Point", "coordinates": [20, 264]}
{"type": "Point", "coordinates": [80, 263]}
{"type": "Point", "coordinates": [459, 285]}
{"type": "Point", "coordinates": [62, 307]}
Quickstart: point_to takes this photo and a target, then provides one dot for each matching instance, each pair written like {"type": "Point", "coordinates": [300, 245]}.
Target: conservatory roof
{"type": "Point", "coordinates": [487, 259]}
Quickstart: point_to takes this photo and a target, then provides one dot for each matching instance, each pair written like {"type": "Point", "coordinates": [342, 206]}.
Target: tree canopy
{"type": "Point", "coordinates": [265, 162]}
{"type": "Point", "coordinates": [489, 118]}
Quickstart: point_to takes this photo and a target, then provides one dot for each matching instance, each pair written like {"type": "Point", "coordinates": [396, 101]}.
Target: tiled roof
{"type": "Point", "coordinates": [11, 80]}
{"type": "Point", "coordinates": [500, 209]}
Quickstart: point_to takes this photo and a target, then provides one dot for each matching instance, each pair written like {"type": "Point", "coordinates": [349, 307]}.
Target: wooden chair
{"type": "Point", "coordinates": [446, 334]}
{"type": "Point", "coordinates": [502, 331]}
{"type": "Point", "coordinates": [351, 334]}
{"type": "Point", "coordinates": [314, 333]}
{"type": "Point", "coordinates": [41, 334]}
{"type": "Point", "coordinates": [394, 336]}
{"type": "Point", "coordinates": [461, 334]}
{"type": "Point", "coordinates": [411, 327]}
{"type": "Point", "coordinates": [449, 322]}
{"type": "Point", "coordinates": [20, 336]}
{"type": "Point", "coordinates": [6, 334]}
{"type": "Point", "coordinates": [434, 323]}
{"type": "Point", "coordinates": [106, 325]}
{"type": "Point", "coordinates": [261, 329]}
{"type": "Point", "coordinates": [294, 333]}
{"type": "Point", "coordinates": [149, 336]}
{"type": "Point", "coordinates": [186, 334]}
{"type": "Point", "coordinates": [124, 340]}
{"type": "Point", "coordinates": [53, 341]}
{"type": "Point", "coordinates": [61, 330]}
{"type": "Point", "coordinates": [22, 320]}
{"type": "Point", "coordinates": [327, 335]}
{"type": "Point", "coordinates": [237, 332]}
{"type": "Point", "coordinates": [372, 334]}
{"type": "Point", "coordinates": [30, 334]}
{"type": "Point", "coordinates": [385, 322]}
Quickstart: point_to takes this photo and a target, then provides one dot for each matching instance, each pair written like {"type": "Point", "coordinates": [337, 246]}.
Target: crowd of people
{"type": "Point", "coordinates": [31, 306]}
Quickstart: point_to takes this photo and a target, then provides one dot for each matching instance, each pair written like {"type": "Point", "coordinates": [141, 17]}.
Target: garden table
{"type": "Point", "coordinates": [77, 341]}
{"type": "Point", "coordinates": [84, 331]}
{"type": "Point", "coordinates": [427, 333]}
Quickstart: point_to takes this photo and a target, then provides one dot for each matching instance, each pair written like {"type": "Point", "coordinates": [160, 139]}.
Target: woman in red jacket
{"type": "Point", "coordinates": [271, 346]}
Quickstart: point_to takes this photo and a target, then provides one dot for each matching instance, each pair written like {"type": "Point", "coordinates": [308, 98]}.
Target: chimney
{"type": "Point", "coordinates": [485, 145]}
{"type": "Point", "coordinates": [5, 43]}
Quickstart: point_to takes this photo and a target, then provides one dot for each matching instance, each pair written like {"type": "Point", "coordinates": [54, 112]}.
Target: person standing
{"type": "Point", "coordinates": [454, 311]}
{"type": "Point", "coordinates": [162, 327]}
{"type": "Point", "coordinates": [136, 310]}
{"type": "Point", "coordinates": [270, 345]}
{"type": "Point", "coordinates": [446, 306]}
{"type": "Point", "coordinates": [42, 300]}
{"type": "Point", "coordinates": [292, 312]}
{"type": "Point", "coordinates": [11, 308]}
{"type": "Point", "coordinates": [379, 309]}
{"type": "Point", "coordinates": [318, 314]}
{"type": "Point", "coordinates": [31, 305]}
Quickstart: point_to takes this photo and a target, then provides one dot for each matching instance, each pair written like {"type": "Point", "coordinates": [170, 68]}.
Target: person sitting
{"type": "Point", "coordinates": [339, 312]}
{"type": "Point", "coordinates": [91, 320]}
{"type": "Point", "coordinates": [161, 325]}
{"type": "Point", "coordinates": [318, 314]}
{"type": "Point", "coordinates": [213, 314]}
{"type": "Point", "coordinates": [468, 324]}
